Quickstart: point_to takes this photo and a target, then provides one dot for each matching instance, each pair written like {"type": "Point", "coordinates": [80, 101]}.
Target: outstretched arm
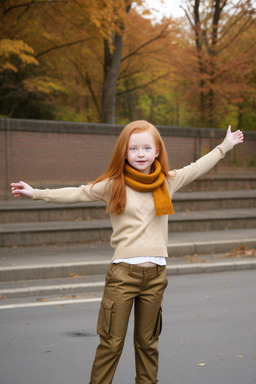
{"type": "Point", "coordinates": [236, 137]}
{"type": "Point", "coordinates": [68, 195]}
{"type": "Point", "coordinates": [203, 165]}
{"type": "Point", "coordinates": [22, 188]}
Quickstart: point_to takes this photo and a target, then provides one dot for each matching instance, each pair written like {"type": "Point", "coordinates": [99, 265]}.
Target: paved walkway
{"type": "Point", "coordinates": [74, 268]}
{"type": "Point", "coordinates": [185, 248]}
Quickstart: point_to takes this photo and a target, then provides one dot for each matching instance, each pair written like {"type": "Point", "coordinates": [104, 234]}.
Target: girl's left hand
{"type": "Point", "coordinates": [236, 137]}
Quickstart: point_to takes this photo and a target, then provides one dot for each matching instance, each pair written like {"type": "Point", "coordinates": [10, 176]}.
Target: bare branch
{"type": "Point", "coordinates": [142, 85]}
{"type": "Point", "coordinates": [32, 2]}
{"type": "Point", "coordinates": [136, 51]}
{"type": "Point", "coordinates": [188, 17]}
{"type": "Point", "coordinates": [223, 5]}
{"type": "Point", "coordinates": [62, 46]}
{"type": "Point", "coordinates": [123, 75]}
{"type": "Point", "coordinates": [235, 21]}
{"type": "Point", "coordinates": [87, 80]}
{"type": "Point", "coordinates": [243, 28]}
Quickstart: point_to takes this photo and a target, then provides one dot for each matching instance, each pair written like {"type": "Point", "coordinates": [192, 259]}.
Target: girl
{"type": "Point", "coordinates": [137, 188]}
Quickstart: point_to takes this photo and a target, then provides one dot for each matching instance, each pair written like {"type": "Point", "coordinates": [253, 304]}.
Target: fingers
{"type": "Point", "coordinates": [239, 134]}
{"type": "Point", "coordinates": [20, 184]}
{"type": "Point", "coordinates": [22, 188]}
{"type": "Point", "coordinates": [16, 192]}
{"type": "Point", "coordinates": [17, 188]}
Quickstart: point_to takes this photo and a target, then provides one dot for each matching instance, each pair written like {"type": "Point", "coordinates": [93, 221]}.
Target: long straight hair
{"type": "Point", "coordinates": [115, 170]}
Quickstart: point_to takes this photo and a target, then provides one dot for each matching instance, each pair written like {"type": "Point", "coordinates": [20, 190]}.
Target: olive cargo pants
{"type": "Point", "coordinates": [124, 285]}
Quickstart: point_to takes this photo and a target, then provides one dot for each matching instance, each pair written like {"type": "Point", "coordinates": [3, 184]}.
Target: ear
{"type": "Point", "coordinates": [157, 152]}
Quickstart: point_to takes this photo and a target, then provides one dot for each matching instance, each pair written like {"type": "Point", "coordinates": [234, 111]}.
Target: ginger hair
{"type": "Point", "coordinates": [115, 170]}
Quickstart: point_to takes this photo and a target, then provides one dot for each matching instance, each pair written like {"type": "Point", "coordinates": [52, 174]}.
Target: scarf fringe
{"type": "Point", "coordinates": [164, 211]}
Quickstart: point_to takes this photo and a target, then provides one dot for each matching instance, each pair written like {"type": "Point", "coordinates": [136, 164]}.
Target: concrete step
{"type": "Point", "coordinates": [212, 220]}
{"type": "Point", "coordinates": [92, 286]}
{"type": "Point", "coordinates": [100, 230]}
{"type": "Point", "coordinates": [38, 211]}
{"type": "Point", "coordinates": [59, 261]}
{"type": "Point", "coordinates": [54, 232]}
{"type": "Point", "coordinates": [218, 181]}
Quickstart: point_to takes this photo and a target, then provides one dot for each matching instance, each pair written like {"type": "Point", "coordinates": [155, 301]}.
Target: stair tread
{"type": "Point", "coordinates": [25, 204]}
{"type": "Point", "coordinates": [105, 223]}
{"type": "Point", "coordinates": [21, 256]}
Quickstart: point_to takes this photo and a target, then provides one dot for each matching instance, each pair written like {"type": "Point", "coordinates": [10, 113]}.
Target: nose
{"type": "Point", "coordinates": [141, 153]}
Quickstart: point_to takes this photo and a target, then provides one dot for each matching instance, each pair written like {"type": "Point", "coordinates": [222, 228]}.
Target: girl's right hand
{"type": "Point", "coordinates": [22, 188]}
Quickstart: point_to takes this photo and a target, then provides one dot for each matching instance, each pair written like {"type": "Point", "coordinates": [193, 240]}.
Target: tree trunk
{"type": "Point", "coordinates": [111, 70]}
{"type": "Point", "coordinates": [198, 40]}
{"type": "Point", "coordinates": [212, 53]}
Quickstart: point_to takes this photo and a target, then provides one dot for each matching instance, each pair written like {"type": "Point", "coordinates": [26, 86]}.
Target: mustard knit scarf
{"type": "Point", "coordinates": [154, 182]}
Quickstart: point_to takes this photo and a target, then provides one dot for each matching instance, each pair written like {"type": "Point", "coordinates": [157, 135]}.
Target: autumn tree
{"type": "Point", "coordinates": [23, 86]}
{"type": "Point", "coordinates": [216, 27]}
{"type": "Point", "coordinates": [101, 60]}
{"type": "Point", "coordinates": [143, 83]}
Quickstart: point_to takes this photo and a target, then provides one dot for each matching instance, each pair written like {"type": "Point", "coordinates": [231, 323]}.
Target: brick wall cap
{"type": "Point", "coordinates": [50, 126]}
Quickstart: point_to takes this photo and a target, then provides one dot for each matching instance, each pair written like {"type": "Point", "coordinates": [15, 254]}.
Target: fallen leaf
{"type": "Point", "coordinates": [75, 276]}
{"type": "Point", "coordinates": [241, 252]}
{"type": "Point", "coordinates": [40, 299]}
{"type": "Point", "coordinates": [202, 364]}
{"type": "Point", "coordinates": [3, 298]}
{"type": "Point", "coordinates": [239, 356]}
{"type": "Point", "coordinates": [76, 296]}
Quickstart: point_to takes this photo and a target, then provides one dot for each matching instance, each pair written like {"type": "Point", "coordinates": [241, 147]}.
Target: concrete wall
{"type": "Point", "coordinates": [52, 153]}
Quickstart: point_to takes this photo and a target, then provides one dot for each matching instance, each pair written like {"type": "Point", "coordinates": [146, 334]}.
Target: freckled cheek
{"type": "Point", "coordinates": [130, 157]}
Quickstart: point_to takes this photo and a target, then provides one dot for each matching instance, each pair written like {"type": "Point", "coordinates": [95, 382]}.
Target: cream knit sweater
{"type": "Point", "coordinates": [137, 231]}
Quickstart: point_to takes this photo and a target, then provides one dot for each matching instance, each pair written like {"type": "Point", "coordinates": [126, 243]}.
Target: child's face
{"type": "Point", "coordinates": [142, 151]}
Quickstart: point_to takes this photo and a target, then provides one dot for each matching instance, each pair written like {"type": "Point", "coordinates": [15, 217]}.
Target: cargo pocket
{"type": "Point", "coordinates": [105, 325]}
{"type": "Point", "coordinates": [158, 326]}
